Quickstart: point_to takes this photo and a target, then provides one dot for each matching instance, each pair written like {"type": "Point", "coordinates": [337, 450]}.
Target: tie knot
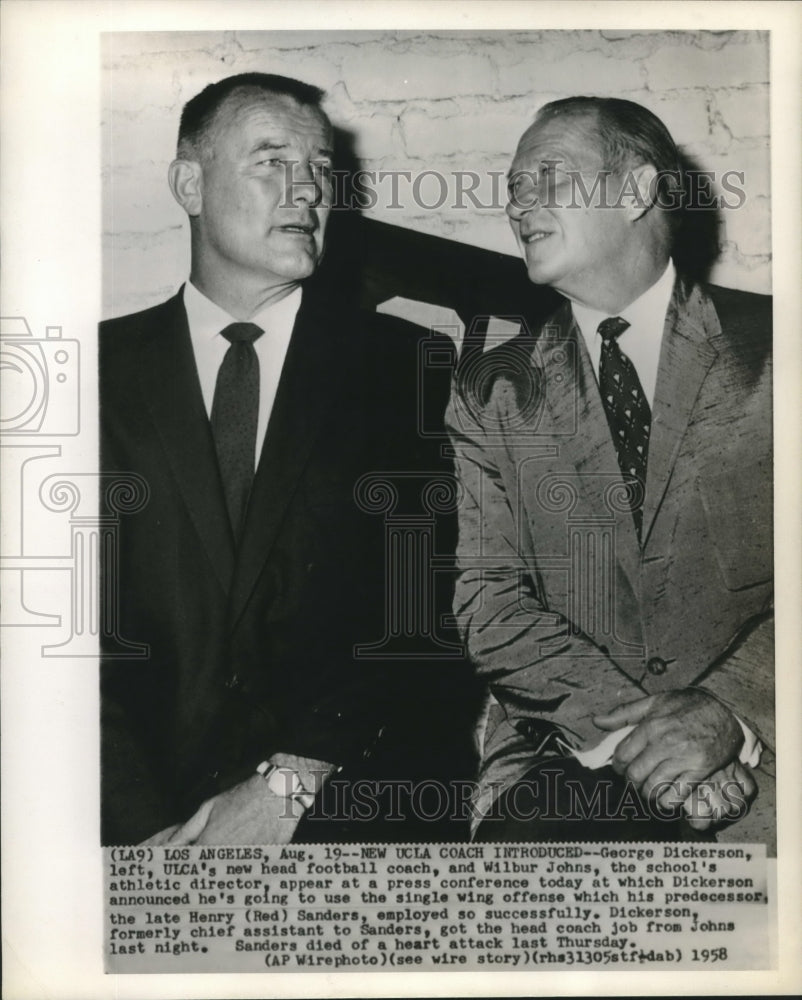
{"type": "Point", "coordinates": [610, 329]}
{"type": "Point", "coordinates": [239, 333]}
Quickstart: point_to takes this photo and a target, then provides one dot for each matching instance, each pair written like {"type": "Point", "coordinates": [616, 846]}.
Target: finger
{"type": "Point", "coordinates": [718, 798]}
{"type": "Point", "coordinates": [698, 807]}
{"type": "Point", "coordinates": [672, 789]}
{"type": "Point", "coordinates": [627, 714]}
{"type": "Point", "coordinates": [668, 796]}
{"type": "Point", "coordinates": [728, 807]}
{"type": "Point", "coordinates": [660, 738]}
{"type": "Point", "coordinates": [666, 784]}
{"type": "Point", "coordinates": [744, 777]}
{"type": "Point", "coordinates": [161, 837]}
{"type": "Point", "coordinates": [189, 832]}
{"type": "Point", "coordinates": [629, 748]}
{"type": "Point", "coordinates": [737, 789]}
{"type": "Point", "coordinates": [650, 761]}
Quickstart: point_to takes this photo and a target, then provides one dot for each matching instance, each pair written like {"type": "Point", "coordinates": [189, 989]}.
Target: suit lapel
{"type": "Point", "coordinates": [172, 393]}
{"type": "Point", "coordinates": [310, 381]}
{"type": "Point", "coordinates": [579, 420]}
{"type": "Point", "coordinates": [685, 359]}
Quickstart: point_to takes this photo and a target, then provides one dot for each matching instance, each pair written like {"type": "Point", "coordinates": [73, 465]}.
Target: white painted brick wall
{"type": "Point", "coordinates": [408, 72]}
{"type": "Point", "coordinates": [689, 65]}
{"type": "Point", "coordinates": [570, 73]}
{"type": "Point", "coordinates": [447, 101]}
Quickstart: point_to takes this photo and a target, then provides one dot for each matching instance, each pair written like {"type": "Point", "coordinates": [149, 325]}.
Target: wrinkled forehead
{"type": "Point", "coordinates": [572, 140]}
{"type": "Point", "coordinates": [249, 110]}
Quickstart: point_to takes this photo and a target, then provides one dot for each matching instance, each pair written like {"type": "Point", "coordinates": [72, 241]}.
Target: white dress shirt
{"type": "Point", "coordinates": [207, 320]}
{"type": "Point", "coordinates": [641, 342]}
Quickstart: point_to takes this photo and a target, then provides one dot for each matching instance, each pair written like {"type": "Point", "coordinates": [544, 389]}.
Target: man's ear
{"type": "Point", "coordinates": [638, 193]}
{"type": "Point", "coordinates": [185, 178]}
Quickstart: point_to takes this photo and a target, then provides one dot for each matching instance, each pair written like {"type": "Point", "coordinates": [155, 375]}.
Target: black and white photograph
{"type": "Point", "coordinates": [396, 476]}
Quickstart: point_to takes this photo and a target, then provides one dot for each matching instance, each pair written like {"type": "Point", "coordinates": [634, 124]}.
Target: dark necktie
{"type": "Point", "coordinates": [235, 413]}
{"type": "Point", "coordinates": [628, 413]}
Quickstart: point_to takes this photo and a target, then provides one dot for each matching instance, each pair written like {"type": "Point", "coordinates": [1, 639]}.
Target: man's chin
{"type": "Point", "coordinates": [540, 266]}
{"type": "Point", "coordinates": [300, 267]}
{"type": "Point", "coordinates": [539, 274]}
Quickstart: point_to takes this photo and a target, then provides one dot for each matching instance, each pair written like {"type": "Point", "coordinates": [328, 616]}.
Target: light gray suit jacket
{"type": "Point", "coordinates": [564, 612]}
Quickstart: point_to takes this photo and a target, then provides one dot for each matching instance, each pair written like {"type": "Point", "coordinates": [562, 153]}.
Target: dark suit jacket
{"type": "Point", "coordinates": [252, 652]}
{"type": "Point", "coordinates": [564, 613]}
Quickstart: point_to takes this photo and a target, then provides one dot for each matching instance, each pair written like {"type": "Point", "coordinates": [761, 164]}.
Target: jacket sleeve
{"type": "Point", "coordinates": [135, 800]}
{"type": "Point", "coordinates": [743, 679]}
{"type": "Point", "coordinates": [535, 661]}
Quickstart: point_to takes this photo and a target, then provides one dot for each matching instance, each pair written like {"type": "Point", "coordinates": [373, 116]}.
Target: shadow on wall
{"type": "Point", "coordinates": [370, 261]}
{"type": "Point", "coordinates": [697, 244]}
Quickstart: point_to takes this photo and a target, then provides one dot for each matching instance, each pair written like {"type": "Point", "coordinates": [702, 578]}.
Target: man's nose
{"type": "Point", "coordinates": [517, 207]}
{"type": "Point", "coordinates": [305, 185]}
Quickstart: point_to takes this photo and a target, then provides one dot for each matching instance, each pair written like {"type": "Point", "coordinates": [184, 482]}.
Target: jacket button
{"type": "Point", "coordinates": [656, 665]}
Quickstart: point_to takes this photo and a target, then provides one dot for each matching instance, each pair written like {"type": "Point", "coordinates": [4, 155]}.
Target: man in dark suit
{"type": "Point", "coordinates": [615, 529]}
{"type": "Point", "coordinates": [251, 407]}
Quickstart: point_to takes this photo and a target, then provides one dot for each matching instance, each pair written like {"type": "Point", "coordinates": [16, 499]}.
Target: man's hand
{"type": "Point", "coordinates": [162, 837]}
{"type": "Point", "coordinates": [681, 736]}
{"type": "Point", "coordinates": [248, 813]}
{"type": "Point", "coordinates": [725, 795]}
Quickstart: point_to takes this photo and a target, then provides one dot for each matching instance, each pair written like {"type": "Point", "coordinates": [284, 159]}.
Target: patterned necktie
{"type": "Point", "coordinates": [235, 414]}
{"type": "Point", "coordinates": [628, 413]}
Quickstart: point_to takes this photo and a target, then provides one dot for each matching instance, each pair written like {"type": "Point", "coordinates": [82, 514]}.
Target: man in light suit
{"type": "Point", "coordinates": [250, 404]}
{"type": "Point", "coordinates": [615, 529]}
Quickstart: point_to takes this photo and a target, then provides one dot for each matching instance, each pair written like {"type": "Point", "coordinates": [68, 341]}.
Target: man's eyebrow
{"type": "Point", "coordinates": [269, 145]}
{"type": "Point", "coordinates": [546, 162]}
{"type": "Point", "coordinates": [276, 146]}
{"type": "Point", "coordinates": [520, 170]}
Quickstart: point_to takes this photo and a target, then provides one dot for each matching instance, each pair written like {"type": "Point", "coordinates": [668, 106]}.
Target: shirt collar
{"type": "Point", "coordinates": [206, 319]}
{"type": "Point", "coordinates": [642, 314]}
